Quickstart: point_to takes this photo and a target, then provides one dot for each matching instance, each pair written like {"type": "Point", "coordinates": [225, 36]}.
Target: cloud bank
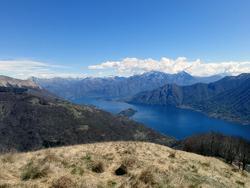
{"type": "Point", "coordinates": [25, 68]}
{"type": "Point", "coordinates": [129, 66]}
{"type": "Point", "coordinates": [132, 66]}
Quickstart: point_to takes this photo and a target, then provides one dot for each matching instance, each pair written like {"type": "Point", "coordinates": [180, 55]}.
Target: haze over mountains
{"type": "Point", "coordinates": [228, 98]}
{"type": "Point", "coordinates": [116, 87]}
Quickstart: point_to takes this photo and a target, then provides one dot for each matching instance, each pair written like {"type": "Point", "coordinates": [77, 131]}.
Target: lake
{"type": "Point", "coordinates": [176, 122]}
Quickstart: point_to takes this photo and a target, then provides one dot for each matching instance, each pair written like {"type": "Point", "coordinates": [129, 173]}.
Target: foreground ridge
{"type": "Point", "coordinates": [117, 164]}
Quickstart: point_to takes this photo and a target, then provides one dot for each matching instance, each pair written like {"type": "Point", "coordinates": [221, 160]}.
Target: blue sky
{"type": "Point", "coordinates": [123, 37]}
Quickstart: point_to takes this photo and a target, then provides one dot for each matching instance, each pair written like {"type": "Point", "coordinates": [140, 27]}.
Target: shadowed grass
{"type": "Point", "coordinates": [32, 171]}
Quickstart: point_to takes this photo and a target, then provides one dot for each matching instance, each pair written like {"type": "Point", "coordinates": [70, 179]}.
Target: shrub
{"type": "Point", "coordinates": [240, 183]}
{"type": "Point", "coordinates": [129, 161]}
{"type": "Point", "coordinates": [147, 176]}
{"type": "Point", "coordinates": [62, 182]}
{"type": "Point", "coordinates": [31, 171]}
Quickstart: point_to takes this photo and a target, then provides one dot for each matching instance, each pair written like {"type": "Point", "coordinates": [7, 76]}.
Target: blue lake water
{"type": "Point", "coordinates": [172, 121]}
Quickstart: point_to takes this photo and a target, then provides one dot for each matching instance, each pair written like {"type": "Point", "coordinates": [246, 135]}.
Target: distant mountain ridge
{"type": "Point", "coordinates": [172, 94]}
{"type": "Point", "coordinates": [6, 81]}
{"type": "Point", "coordinates": [228, 98]}
{"type": "Point", "coordinates": [116, 87]}
{"type": "Point", "coordinates": [13, 84]}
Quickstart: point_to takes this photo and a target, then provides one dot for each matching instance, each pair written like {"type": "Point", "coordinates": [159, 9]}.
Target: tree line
{"type": "Point", "coordinates": [230, 148]}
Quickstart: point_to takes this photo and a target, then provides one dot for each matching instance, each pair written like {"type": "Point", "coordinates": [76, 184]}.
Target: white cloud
{"type": "Point", "coordinates": [25, 68]}
{"type": "Point", "coordinates": [133, 66]}
{"type": "Point", "coordinates": [129, 66]}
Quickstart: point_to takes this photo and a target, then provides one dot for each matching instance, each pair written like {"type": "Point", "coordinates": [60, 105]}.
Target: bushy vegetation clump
{"type": "Point", "coordinates": [230, 148]}
{"type": "Point", "coordinates": [33, 171]}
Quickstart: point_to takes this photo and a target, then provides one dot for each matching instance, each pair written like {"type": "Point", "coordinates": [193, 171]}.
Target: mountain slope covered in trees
{"type": "Point", "coordinates": [228, 98]}
{"type": "Point", "coordinates": [31, 121]}
{"type": "Point", "coordinates": [232, 105]}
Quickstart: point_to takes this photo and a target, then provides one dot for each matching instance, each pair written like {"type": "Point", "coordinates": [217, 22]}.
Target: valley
{"type": "Point", "coordinates": [212, 99]}
{"type": "Point", "coordinates": [124, 94]}
{"type": "Point", "coordinates": [177, 122]}
{"type": "Point", "coordinates": [124, 152]}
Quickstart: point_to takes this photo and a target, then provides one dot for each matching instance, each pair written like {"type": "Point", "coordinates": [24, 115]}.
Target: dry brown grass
{"type": "Point", "coordinates": [129, 161]}
{"type": "Point", "coordinates": [146, 165]}
{"type": "Point", "coordinates": [62, 182]}
{"type": "Point", "coordinates": [5, 185]}
{"type": "Point", "coordinates": [34, 171]}
{"type": "Point", "coordinates": [51, 156]}
{"type": "Point", "coordinates": [8, 158]}
{"type": "Point", "coordinates": [148, 176]}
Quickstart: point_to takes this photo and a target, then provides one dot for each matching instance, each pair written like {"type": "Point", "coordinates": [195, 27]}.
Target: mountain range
{"type": "Point", "coordinates": [32, 118]}
{"type": "Point", "coordinates": [228, 98]}
{"type": "Point", "coordinates": [116, 87]}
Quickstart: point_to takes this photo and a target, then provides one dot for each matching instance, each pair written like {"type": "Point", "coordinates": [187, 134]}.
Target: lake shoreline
{"type": "Point", "coordinates": [179, 122]}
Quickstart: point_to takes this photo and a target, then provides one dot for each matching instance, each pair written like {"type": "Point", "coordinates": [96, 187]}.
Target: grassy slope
{"type": "Point", "coordinates": [147, 165]}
